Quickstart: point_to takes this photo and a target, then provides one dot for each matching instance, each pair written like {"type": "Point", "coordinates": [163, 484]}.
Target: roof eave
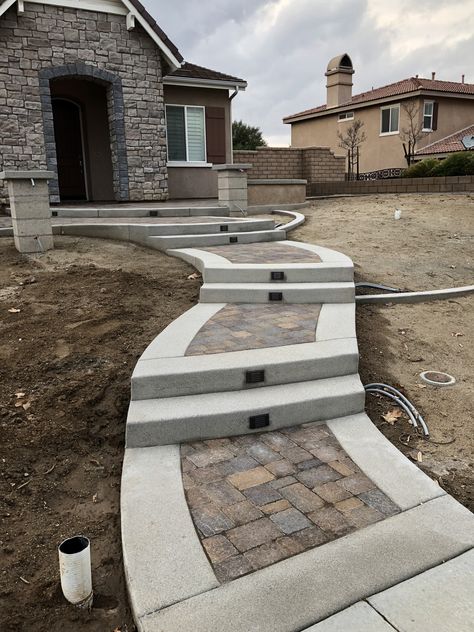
{"type": "Point", "coordinates": [192, 82]}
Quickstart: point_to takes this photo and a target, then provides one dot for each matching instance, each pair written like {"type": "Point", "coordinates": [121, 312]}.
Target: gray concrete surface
{"type": "Point", "coordinates": [336, 292]}
{"type": "Point", "coordinates": [360, 617]}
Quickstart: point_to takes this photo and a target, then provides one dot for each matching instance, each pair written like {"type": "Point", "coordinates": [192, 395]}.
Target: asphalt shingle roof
{"type": "Point", "coordinates": [199, 72]}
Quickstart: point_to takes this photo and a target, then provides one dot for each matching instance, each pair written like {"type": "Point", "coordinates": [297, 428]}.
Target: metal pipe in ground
{"type": "Point", "coordinates": [75, 571]}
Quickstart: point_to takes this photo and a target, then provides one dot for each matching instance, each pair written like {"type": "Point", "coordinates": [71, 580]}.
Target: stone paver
{"type": "Point", "coordinates": [258, 499]}
{"type": "Point", "coordinates": [264, 253]}
{"type": "Point", "coordinates": [237, 327]}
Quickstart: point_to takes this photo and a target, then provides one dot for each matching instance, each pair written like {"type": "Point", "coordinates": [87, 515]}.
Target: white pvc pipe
{"type": "Point", "coordinates": [75, 570]}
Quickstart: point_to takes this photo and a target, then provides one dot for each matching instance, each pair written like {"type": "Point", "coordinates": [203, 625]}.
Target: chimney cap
{"type": "Point", "coordinates": [340, 63]}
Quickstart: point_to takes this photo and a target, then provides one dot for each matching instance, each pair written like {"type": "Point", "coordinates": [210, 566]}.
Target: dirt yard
{"type": "Point", "coordinates": [430, 247]}
{"type": "Point", "coordinates": [86, 312]}
{"type": "Point", "coordinates": [89, 308]}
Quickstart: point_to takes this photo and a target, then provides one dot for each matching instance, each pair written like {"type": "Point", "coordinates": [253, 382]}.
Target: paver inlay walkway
{"type": "Point", "coordinates": [264, 252]}
{"type": "Point", "coordinates": [257, 499]}
{"type": "Point", "coordinates": [237, 327]}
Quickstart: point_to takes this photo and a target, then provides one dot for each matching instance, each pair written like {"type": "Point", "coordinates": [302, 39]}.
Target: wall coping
{"type": "Point", "coordinates": [34, 174]}
{"type": "Point", "coordinates": [232, 167]}
{"type": "Point", "coordinates": [270, 181]}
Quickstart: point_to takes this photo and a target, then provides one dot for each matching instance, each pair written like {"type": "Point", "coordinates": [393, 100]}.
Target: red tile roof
{"type": "Point", "coordinates": [448, 144]}
{"type": "Point", "coordinates": [192, 71]}
{"type": "Point", "coordinates": [396, 89]}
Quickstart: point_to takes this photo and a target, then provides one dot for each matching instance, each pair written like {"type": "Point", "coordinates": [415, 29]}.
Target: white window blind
{"type": "Point", "coordinates": [186, 133]}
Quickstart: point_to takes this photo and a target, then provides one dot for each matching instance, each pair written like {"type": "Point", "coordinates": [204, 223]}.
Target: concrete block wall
{"type": "Point", "coordinates": [314, 164]}
{"type": "Point", "coordinates": [445, 184]}
{"type": "Point", "coordinates": [45, 37]}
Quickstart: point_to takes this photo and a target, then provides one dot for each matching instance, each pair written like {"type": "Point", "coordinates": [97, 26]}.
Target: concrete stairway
{"type": "Point", "coordinates": [127, 210]}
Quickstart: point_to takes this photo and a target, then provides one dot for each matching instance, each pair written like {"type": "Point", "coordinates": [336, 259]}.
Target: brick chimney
{"type": "Point", "coordinates": [339, 80]}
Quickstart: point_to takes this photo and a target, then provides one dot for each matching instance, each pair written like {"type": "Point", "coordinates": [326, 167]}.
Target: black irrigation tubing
{"type": "Point", "coordinates": [377, 286]}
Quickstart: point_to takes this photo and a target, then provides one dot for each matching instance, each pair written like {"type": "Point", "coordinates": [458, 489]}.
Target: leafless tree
{"type": "Point", "coordinates": [351, 141]}
{"type": "Point", "coordinates": [412, 133]}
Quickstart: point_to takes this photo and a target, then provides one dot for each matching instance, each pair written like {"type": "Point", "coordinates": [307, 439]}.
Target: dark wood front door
{"type": "Point", "coordinates": [69, 150]}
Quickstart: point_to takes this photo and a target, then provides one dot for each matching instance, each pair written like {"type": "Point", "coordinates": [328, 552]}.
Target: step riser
{"type": "Point", "coordinates": [223, 239]}
{"type": "Point", "coordinates": [202, 211]}
{"type": "Point", "coordinates": [206, 229]}
{"type": "Point", "coordinates": [256, 275]}
{"type": "Point", "coordinates": [182, 382]}
{"type": "Point", "coordinates": [212, 426]}
{"type": "Point", "coordinates": [300, 295]}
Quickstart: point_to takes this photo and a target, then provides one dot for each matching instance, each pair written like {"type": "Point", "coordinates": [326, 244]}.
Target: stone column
{"type": "Point", "coordinates": [29, 204]}
{"type": "Point", "coordinates": [232, 185]}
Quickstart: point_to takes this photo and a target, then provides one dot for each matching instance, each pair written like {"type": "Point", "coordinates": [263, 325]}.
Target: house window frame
{"type": "Point", "coordinates": [392, 106]}
{"type": "Point", "coordinates": [345, 116]}
{"type": "Point", "coordinates": [432, 103]}
{"type": "Point", "coordinates": [187, 162]}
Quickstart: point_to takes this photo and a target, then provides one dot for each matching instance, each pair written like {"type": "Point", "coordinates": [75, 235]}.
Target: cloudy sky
{"type": "Point", "coordinates": [282, 47]}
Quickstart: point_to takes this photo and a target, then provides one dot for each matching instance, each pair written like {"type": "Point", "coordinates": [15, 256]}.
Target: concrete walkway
{"type": "Point", "coordinates": [256, 494]}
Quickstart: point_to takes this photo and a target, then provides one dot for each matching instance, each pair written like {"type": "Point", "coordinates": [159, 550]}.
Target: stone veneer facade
{"type": "Point", "coordinates": [47, 42]}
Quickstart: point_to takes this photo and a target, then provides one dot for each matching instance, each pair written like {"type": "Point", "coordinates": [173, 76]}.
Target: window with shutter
{"type": "Point", "coordinates": [186, 133]}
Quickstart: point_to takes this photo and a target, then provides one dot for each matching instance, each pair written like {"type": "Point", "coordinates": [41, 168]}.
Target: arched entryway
{"type": "Point", "coordinates": [83, 118]}
{"type": "Point", "coordinates": [70, 152]}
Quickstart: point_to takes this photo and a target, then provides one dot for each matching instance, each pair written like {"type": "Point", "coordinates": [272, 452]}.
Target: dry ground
{"type": "Point", "coordinates": [87, 311]}
{"type": "Point", "coordinates": [430, 247]}
{"type": "Point", "coordinates": [89, 308]}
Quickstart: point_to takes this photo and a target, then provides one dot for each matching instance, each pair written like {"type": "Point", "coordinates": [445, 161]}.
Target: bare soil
{"type": "Point", "coordinates": [430, 247]}
{"type": "Point", "coordinates": [87, 311]}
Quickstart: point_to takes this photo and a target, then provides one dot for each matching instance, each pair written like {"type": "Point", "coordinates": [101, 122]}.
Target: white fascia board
{"type": "Point", "coordinates": [204, 83]}
{"type": "Point", "coordinates": [174, 63]}
{"type": "Point", "coordinates": [6, 5]}
{"type": "Point", "coordinates": [99, 6]}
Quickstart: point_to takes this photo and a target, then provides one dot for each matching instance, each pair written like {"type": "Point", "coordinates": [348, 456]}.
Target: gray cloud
{"type": "Point", "coordinates": [282, 47]}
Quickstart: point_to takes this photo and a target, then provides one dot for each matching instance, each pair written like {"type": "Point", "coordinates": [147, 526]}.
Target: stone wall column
{"type": "Point", "coordinates": [232, 185]}
{"type": "Point", "coordinates": [30, 211]}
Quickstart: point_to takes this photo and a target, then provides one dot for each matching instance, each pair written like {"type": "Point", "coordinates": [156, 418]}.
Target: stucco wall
{"type": "Point", "coordinates": [382, 152]}
{"type": "Point", "coordinates": [45, 37]}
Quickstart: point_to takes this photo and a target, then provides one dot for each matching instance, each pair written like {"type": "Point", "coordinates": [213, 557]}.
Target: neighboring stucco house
{"type": "Point", "coordinates": [443, 108]}
{"type": "Point", "coordinates": [95, 91]}
{"type": "Point", "coordinates": [463, 140]}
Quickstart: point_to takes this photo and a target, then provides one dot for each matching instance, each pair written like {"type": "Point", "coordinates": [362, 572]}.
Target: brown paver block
{"type": "Point", "coordinates": [290, 520]}
{"type": "Point", "coordinates": [302, 497]}
{"type": "Point", "coordinates": [197, 496]}
{"type": "Point", "coordinates": [276, 441]}
{"type": "Point", "coordinates": [253, 534]}
{"type": "Point", "coordinates": [219, 443]}
{"type": "Point", "coordinates": [243, 512]}
{"type": "Point", "coordinates": [278, 505]}
{"type": "Point", "coordinates": [318, 476]}
{"type": "Point", "coordinates": [210, 520]}
{"type": "Point", "coordinates": [363, 516]}
{"type": "Point", "coordinates": [188, 482]}
{"type": "Point", "coordinates": [357, 484]}
{"type": "Point", "coordinates": [346, 506]}
{"type": "Point", "coordinates": [342, 468]}
{"type": "Point", "coordinates": [210, 456]}
{"type": "Point", "coordinates": [283, 467]}
{"type": "Point", "coordinates": [218, 548]}
{"type": "Point", "coordinates": [378, 500]}
{"type": "Point", "coordinates": [331, 521]}
{"type": "Point", "coordinates": [296, 454]}
{"type": "Point", "coordinates": [203, 475]}
{"type": "Point", "coordinates": [307, 465]}
{"type": "Point", "coordinates": [232, 568]}
{"type": "Point", "coordinates": [265, 555]}
{"type": "Point", "coordinates": [310, 537]}
{"type": "Point", "coordinates": [239, 464]}
{"type": "Point", "coordinates": [262, 494]}
{"type": "Point", "coordinates": [327, 453]}
{"type": "Point", "coordinates": [283, 482]}
{"type": "Point", "coordinates": [332, 492]}
{"type": "Point", "coordinates": [222, 493]}
{"type": "Point", "coordinates": [250, 478]}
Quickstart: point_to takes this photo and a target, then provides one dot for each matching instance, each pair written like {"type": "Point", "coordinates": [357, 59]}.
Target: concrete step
{"type": "Point", "coordinates": [341, 292]}
{"type": "Point", "coordinates": [192, 375]}
{"type": "Point", "coordinates": [219, 239]}
{"type": "Point", "coordinates": [211, 228]}
{"type": "Point", "coordinates": [212, 415]}
{"type": "Point", "coordinates": [292, 273]}
{"type": "Point", "coordinates": [140, 211]}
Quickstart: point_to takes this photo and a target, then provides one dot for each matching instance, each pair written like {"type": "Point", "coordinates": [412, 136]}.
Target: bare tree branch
{"type": "Point", "coordinates": [412, 133]}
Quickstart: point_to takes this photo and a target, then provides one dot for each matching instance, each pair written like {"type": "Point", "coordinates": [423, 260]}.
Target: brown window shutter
{"type": "Point", "coordinates": [215, 135]}
{"type": "Point", "coordinates": [435, 116]}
